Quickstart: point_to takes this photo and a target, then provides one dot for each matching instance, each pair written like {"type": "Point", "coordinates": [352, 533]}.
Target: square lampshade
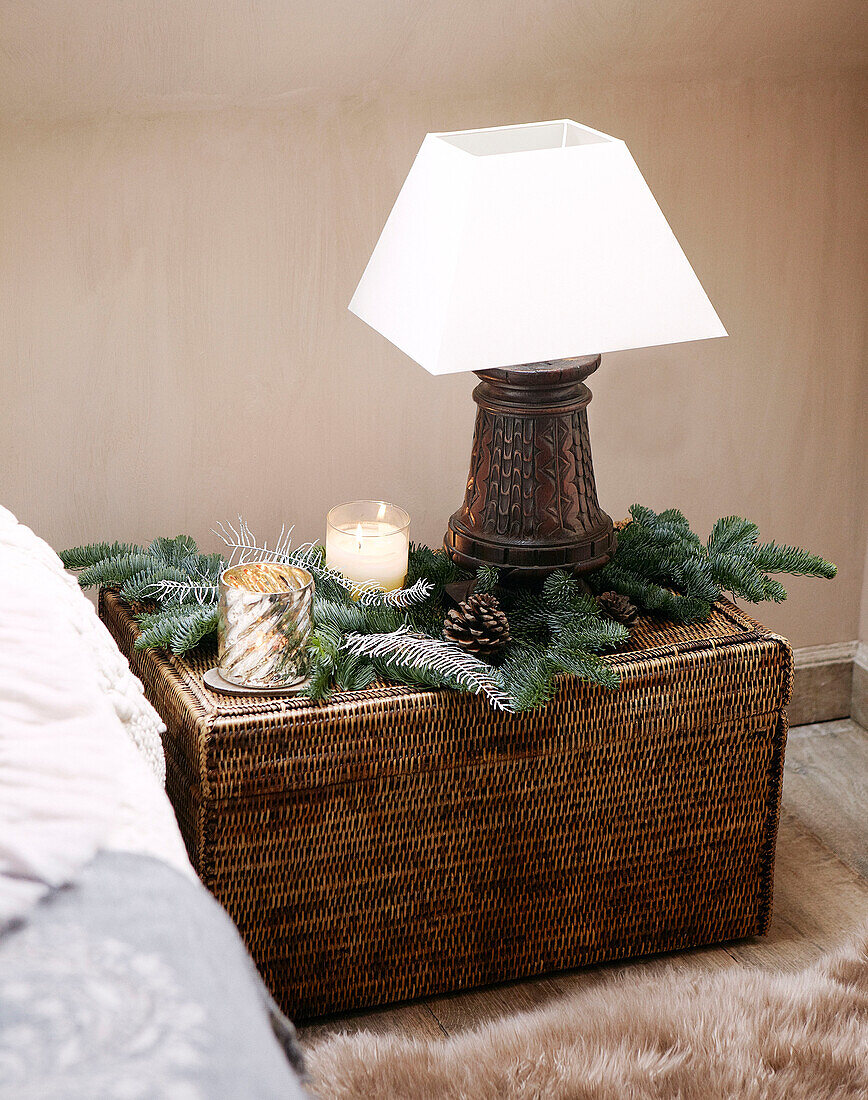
{"type": "Point", "coordinates": [520, 244]}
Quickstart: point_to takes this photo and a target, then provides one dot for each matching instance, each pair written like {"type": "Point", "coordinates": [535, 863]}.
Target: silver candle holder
{"type": "Point", "coordinates": [264, 624]}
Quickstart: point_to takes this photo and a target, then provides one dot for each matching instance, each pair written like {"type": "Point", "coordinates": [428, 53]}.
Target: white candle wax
{"type": "Point", "coordinates": [369, 550]}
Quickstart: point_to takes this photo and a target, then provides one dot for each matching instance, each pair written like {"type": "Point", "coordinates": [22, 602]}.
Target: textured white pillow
{"type": "Point", "coordinates": [20, 546]}
{"type": "Point", "coordinates": [73, 724]}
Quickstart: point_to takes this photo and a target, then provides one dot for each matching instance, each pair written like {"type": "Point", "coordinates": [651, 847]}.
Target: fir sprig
{"type": "Point", "coordinates": [741, 565]}
{"type": "Point", "coordinates": [409, 657]}
{"type": "Point", "coordinates": [147, 582]}
{"type": "Point", "coordinates": [558, 631]}
{"type": "Point", "coordinates": [412, 596]}
{"type": "Point", "coordinates": [487, 579]}
{"type": "Point", "coordinates": [664, 568]}
{"type": "Point", "coordinates": [177, 629]}
{"type": "Point", "coordinates": [361, 632]}
{"type": "Point", "coordinates": [115, 570]}
{"type": "Point", "coordinates": [82, 557]}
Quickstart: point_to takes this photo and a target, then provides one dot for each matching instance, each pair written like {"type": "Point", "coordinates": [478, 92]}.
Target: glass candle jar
{"type": "Point", "coordinates": [369, 541]}
{"type": "Point", "coordinates": [265, 619]}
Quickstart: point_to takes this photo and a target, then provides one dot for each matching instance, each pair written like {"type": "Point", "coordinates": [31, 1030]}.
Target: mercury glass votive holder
{"type": "Point", "coordinates": [369, 542]}
{"type": "Point", "coordinates": [264, 623]}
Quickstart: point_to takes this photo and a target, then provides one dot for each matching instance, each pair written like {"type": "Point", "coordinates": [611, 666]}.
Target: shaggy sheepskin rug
{"type": "Point", "coordinates": [736, 1034]}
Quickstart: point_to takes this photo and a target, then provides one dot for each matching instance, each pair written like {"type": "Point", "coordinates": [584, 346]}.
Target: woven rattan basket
{"type": "Point", "coordinates": [397, 842]}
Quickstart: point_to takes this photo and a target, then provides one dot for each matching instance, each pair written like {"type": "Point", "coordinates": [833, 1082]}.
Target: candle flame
{"type": "Point", "coordinates": [359, 536]}
{"type": "Point", "coordinates": [381, 512]}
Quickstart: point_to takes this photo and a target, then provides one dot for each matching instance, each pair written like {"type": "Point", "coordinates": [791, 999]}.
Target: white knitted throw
{"type": "Point", "coordinates": [81, 761]}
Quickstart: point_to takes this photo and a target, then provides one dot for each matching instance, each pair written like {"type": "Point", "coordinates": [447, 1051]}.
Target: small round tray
{"type": "Point", "coordinates": [215, 681]}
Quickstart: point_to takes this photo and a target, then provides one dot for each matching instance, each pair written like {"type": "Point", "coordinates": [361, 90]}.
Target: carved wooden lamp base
{"type": "Point", "coordinates": [531, 503]}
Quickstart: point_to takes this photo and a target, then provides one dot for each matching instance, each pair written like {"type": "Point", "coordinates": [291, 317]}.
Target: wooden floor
{"type": "Point", "coordinates": [821, 894]}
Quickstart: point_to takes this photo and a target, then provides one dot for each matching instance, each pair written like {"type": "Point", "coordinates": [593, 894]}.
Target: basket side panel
{"type": "Point", "coordinates": [403, 885]}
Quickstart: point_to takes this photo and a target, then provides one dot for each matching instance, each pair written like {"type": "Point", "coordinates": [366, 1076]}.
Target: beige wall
{"type": "Point", "coordinates": [176, 346]}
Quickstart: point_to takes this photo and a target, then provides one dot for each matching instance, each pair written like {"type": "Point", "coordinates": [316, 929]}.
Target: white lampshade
{"type": "Point", "coordinates": [520, 244]}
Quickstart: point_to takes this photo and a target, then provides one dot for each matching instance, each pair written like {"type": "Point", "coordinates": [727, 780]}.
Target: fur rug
{"type": "Point", "coordinates": [737, 1034]}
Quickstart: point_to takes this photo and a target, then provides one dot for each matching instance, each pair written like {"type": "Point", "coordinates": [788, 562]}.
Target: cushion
{"type": "Point", "coordinates": [80, 760]}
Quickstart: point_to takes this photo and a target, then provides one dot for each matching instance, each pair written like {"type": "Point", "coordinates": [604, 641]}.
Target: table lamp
{"type": "Point", "coordinates": [522, 253]}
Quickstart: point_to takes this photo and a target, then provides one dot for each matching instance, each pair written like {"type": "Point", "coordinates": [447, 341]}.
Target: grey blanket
{"type": "Point", "coordinates": [134, 984]}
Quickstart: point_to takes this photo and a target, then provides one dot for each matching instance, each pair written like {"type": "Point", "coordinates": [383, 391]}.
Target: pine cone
{"type": "Point", "coordinates": [617, 607]}
{"type": "Point", "coordinates": [478, 625]}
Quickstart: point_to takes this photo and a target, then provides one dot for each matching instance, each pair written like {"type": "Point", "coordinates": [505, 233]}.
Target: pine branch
{"type": "Point", "coordinates": [169, 593]}
{"type": "Point", "coordinates": [173, 551]}
{"type": "Point", "coordinates": [319, 687]}
{"type": "Point", "coordinates": [82, 557]}
{"type": "Point", "coordinates": [322, 649]}
{"type": "Point", "coordinates": [695, 577]}
{"type": "Point", "coordinates": [244, 548]}
{"type": "Point", "coordinates": [731, 534]}
{"type": "Point", "coordinates": [772, 558]}
{"type": "Point", "coordinates": [115, 571]}
{"type": "Point", "coordinates": [337, 615]}
{"type": "Point", "coordinates": [189, 631]}
{"type": "Point", "coordinates": [741, 566]}
{"type": "Point", "coordinates": [487, 579]}
{"type": "Point", "coordinates": [737, 574]}
{"type": "Point", "coordinates": [528, 615]}
{"type": "Point", "coordinates": [576, 661]}
{"type": "Point", "coordinates": [143, 585]}
{"type": "Point", "coordinates": [199, 584]}
{"type": "Point", "coordinates": [171, 628]}
{"type": "Point", "coordinates": [669, 527]}
{"type": "Point", "coordinates": [412, 596]}
{"type": "Point", "coordinates": [407, 657]}
{"type": "Point", "coordinates": [663, 567]}
{"type": "Point", "coordinates": [309, 556]}
{"type": "Point", "coordinates": [346, 618]}
{"type": "Point", "coordinates": [528, 677]}
{"type": "Point", "coordinates": [651, 596]}
{"type": "Point", "coordinates": [563, 594]}
{"type": "Point", "coordinates": [591, 635]}
{"type": "Point", "coordinates": [431, 565]}
{"type": "Point", "coordinates": [383, 620]}
{"type": "Point", "coordinates": [353, 673]}
{"type": "Point", "coordinates": [428, 618]}
{"type": "Point", "coordinates": [664, 549]}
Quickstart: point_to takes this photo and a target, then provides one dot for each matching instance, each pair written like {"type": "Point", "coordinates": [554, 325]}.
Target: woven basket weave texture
{"type": "Point", "coordinates": [400, 842]}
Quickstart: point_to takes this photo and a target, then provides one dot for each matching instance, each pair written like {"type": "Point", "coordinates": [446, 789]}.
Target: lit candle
{"type": "Point", "coordinates": [369, 541]}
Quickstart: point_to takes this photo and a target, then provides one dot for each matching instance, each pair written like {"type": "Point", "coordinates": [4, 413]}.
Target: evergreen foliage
{"type": "Point", "coordinates": [177, 629]}
{"type": "Point", "coordinates": [115, 570]}
{"type": "Point", "coordinates": [408, 657]}
{"type": "Point", "coordinates": [487, 579]}
{"type": "Point", "coordinates": [413, 596]}
{"type": "Point", "coordinates": [173, 551]}
{"type": "Point", "coordinates": [146, 583]}
{"type": "Point", "coordinates": [81, 557]}
{"type": "Point", "coordinates": [664, 567]}
{"type": "Point", "coordinates": [431, 565]}
{"type": "Point", "coordinates": [322, 648]}
{"type": "Point", "coordinates": [361, 633]}
{"type": "Point", "coordinates": [557, 631]}
{"type": "Point", "coordinates": [740, 563]}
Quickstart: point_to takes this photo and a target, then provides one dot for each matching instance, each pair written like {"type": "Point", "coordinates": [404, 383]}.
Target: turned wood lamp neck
{"type": "Point", "coordinates": [531, 501]}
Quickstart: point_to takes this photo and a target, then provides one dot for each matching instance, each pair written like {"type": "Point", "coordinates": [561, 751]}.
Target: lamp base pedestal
{"type": "Point", "coordinates": [531, 502]}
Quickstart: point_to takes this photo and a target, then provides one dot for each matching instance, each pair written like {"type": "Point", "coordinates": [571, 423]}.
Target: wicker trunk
{"type": "Point", "coordinates": [397, 842]}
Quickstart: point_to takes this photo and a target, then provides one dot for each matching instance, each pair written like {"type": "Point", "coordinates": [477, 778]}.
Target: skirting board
{"type": "Point", "coordinates": [859, 704]}
{"type": "Point", "coordinates": [824, 683]}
